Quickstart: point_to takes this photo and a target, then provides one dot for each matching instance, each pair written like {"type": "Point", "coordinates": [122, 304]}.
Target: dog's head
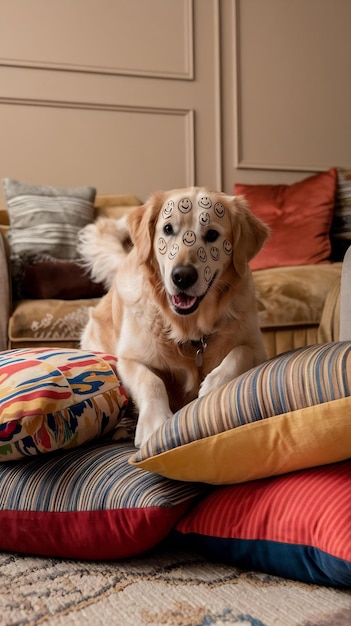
{"type": "Point", "coordinates": [194, 235]}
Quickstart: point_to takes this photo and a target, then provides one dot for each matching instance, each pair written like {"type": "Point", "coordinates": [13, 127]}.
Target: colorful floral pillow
{"type": "Point", "coordinates": [87, 503]}
{"type": "Point", "coordinates": [289, 413]}
{"type": "Point", "coordinates": [56, 398]}
{"type": "Point", "coordinates": [296, 526]}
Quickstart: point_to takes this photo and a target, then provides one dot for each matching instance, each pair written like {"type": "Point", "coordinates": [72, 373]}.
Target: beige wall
{"type": "Point", "coordinates": [136, 95]}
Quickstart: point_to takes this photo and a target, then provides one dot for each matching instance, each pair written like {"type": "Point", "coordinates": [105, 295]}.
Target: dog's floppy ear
{"type": "Point", "coordinates": [249, 231]}
{"type": "Point", "coordinates": [141, 222]}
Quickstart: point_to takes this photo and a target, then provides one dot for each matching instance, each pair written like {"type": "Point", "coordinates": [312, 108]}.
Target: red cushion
{"type": "Point", "coordinates": [87, 503]}
{"type": "Point", "coordinates": [297, 526]}
{"type": "Point", "coordinates": [300, 216]}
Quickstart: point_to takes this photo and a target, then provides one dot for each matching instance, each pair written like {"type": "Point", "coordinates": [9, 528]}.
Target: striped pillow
{"type": "Point", "coordinates": [296, 526]}
{"type": "Point", "coordinates": [44, 223]}
{"type": "Point", "coordinates": [56, 398]}
{"type": "Point", "coordinates": [87, 503]}
{"type": "Point", "coordinates": [291, 412]}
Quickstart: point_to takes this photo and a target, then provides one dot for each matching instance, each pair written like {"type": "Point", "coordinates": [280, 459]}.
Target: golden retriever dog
{"type": "Point", "coordinates": [180, 313]}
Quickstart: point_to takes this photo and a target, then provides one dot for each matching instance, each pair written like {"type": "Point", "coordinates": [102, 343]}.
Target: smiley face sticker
{"type": "Point", "coordinates": [205, 202]}
{"type": "Point", "coordinates": [168, 209]}
{"type": "Point", "coordinates": [219, 209]}
{"type": "Point", "coordinates": [185, 205]}
{"type": "Point", "coordinates": [204, 218]}
{"type": "Point", "coordinates": [214, 252]}
{"type": "Point", "coordinates": [201, 253]}
{"type": "Point", "coordinates": [227, 246]}
{"type": "Point", "coordinates": [189, 238]}
{"type": "Point", "coordinates": [208, 274]}
{"type": "Point", "coordinates": [173, 251]}
{"type": "Point", "coordinates": [162, 246]}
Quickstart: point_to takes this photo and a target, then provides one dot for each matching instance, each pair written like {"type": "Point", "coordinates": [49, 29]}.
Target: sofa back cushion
{"type": "Point", "coordinates": [300, 216]}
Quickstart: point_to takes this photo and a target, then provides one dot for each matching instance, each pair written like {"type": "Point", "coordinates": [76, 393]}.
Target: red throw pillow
{"type": "Point", "coordinates": [300, 217]}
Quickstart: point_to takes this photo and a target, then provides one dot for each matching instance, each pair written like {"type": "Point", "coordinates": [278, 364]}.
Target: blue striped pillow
{"type": "Point", "coordinates": [289, 413]}
{"type": "Point", "coordinates": [87, 503]}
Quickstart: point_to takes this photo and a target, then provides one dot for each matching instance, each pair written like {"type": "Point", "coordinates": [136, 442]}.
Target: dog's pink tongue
{"type": "Point", "coordinates": [182, 301]}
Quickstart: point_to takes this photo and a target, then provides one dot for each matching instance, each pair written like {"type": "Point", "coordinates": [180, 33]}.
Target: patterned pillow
{"type": "Point", "coordinates": [296, 526]}
{"type": "Point", "coordinates": [56, 398]}
{"type": "Point", "coordinates": [44, 224]}
{"type": "Point", "coordinates": [87, 503]}
{"type": "Point", "coordinates": [290, 413]}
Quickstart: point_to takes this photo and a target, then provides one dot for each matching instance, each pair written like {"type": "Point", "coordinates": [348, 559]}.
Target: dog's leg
{"type": "Point", "coordinates": [238, 361]}
{"type": "Point", "coordinates": [149, 394]}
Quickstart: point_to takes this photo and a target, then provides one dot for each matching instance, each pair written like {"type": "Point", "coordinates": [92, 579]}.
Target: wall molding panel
{"type": "Point", "coordinates": [116, 138]}
{"type": "Point", "coordinates": [104, 41]}
{"type": "Point", "coordinates": [291, 95]}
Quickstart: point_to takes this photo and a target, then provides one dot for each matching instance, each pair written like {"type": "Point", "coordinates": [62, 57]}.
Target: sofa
{"type": "Point", "coordinates": [255, 475]}
{"type": "Point", "coordinates": [294, 278]}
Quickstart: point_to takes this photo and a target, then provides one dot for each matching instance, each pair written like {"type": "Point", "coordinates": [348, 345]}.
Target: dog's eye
{"type": "Point", "coordinates": [211, 235]}
{"type": "Point", "coordinates": [168, 229]}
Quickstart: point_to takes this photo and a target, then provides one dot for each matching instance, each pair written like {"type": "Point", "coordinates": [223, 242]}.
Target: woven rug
{"type": "Point", "coordinates": [167, 587]}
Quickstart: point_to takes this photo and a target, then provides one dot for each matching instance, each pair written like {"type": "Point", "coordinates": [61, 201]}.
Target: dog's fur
{"type": "Point", "coordinates": [183, 282]}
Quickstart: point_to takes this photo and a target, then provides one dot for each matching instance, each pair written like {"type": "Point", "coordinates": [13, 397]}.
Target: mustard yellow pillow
{"type": "Point", "coordinates": [291, 412]}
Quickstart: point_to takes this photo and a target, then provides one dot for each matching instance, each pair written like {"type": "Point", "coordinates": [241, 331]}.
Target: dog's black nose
{"type": "Point", "coordinates": [184, 276]}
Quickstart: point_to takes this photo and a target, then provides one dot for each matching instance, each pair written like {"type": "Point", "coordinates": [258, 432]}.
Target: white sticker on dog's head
{"type": "Point", "coordinates": [189, 238]}
{"type": "Point", "coordinates": [162, 245]}
{"type": "Point", "coordinates": [204, 218]}
{"type": "Point", "coordinates": [227, 246]}
{"type": "Point", "coordinates": [201, 253]}
{"type": "Point", "coordinates": [214, 252]}
{"type": "Point", "coordinates": [219, 209]}
{"type": "Point", "coordinates": [185, 205]}
{"type": "Point", "coordinates": [173, 251]}
{"type": "Point", "coordinates": [168, 209]}
{"type": "Point", "coordinates": [205, 202]}
{"type": "Point", "coordinates": [208, 274]}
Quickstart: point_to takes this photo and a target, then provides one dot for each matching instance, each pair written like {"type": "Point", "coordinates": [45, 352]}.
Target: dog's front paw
{"type": "Point", "coordinates": [147, 425]}
{"type": "Point", "coordinates": [207, 385]}
{"type": "Point", "coordinates": [212, 381]}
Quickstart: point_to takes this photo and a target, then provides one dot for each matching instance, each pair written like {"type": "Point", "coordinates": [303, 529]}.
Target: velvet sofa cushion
{"type": "Point", "coordinates": [300, 217]}
{"type": "Point", "coordinates": [295, 295]}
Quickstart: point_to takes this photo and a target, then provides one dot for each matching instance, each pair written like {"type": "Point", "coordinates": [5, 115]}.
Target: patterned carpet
{"type": "Point", "coordinates": [167, 587]}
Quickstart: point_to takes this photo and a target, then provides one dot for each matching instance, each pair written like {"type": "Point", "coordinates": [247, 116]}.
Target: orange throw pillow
{"type": "Point", "coordinates": [300, 217]}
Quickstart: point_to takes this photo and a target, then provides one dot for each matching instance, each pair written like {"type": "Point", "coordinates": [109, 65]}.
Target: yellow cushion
{"type": "Point", "coordinates": [289, 413]}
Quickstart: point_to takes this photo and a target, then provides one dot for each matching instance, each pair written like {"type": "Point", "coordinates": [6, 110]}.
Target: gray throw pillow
{"type": "Point", "coordinates": [44, 223]}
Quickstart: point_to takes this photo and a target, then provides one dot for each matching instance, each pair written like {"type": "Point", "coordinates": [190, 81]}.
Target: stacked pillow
{"type": "Point", "coordinates": [44, 226]}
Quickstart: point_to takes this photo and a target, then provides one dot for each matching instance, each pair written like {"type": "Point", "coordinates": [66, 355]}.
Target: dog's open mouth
{"type": "Point", "coordinates": [183, 304]}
